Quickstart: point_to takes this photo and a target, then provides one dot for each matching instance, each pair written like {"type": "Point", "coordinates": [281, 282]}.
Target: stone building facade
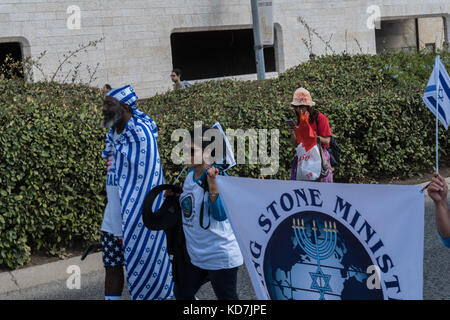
{"type": "Point", "coordinates": [136, 46]}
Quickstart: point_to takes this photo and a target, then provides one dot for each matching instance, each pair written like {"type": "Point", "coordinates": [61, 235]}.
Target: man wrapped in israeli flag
{"type": "Point", "coordinates": [134, 167]}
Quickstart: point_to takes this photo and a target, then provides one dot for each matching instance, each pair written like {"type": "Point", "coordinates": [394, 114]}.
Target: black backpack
{"type": "Point", "coordinates": [333, 149]}
{"type": "Point", "coordinates": [168, 218]}
{"type": "Point", "coordinates": [335, 153]}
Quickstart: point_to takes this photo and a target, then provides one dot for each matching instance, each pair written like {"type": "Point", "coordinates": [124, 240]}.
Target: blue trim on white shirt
{"type": "Point", "coordinates": [445, 241]}
{"type": "Point", "coordinates": [217, 210]}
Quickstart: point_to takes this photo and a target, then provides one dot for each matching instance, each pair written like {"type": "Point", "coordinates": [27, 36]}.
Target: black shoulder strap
{"type": "Point", "coordinates": [202, 213]}
{"type": "Point", "coordinates": [317, 123]}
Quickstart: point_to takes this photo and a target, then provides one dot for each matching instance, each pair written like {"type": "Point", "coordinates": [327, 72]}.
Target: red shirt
{"type": "Point", "coordinates": [324, 128]}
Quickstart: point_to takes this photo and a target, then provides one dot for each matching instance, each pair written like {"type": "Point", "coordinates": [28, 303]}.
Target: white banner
{"type": "Point", "coordinates": [309, 240]}
{"type": "Point", "coordinates": [265, 13]}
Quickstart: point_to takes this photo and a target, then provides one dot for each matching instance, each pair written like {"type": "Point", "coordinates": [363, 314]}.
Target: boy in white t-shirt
{"type": "Point", "coordinates": [210, 241]}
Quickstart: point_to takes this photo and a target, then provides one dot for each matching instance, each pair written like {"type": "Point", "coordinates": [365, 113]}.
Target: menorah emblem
{"type": "Point", "coordinates": [317, 251]}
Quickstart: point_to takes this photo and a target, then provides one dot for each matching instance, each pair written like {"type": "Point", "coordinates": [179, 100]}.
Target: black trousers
{"type": "Point", "coordinates": [223, 282]}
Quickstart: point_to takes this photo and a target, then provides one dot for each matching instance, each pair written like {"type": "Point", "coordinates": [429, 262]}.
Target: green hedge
{"type": "Point", "coordinates": [51, 170]}
{"type": "Point", "coordinates": [374, 105]}
{"type": "Point", "coordinates": [52, 190]}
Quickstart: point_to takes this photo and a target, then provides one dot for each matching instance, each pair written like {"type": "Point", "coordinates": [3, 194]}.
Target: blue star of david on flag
{"type": "Point", "coordinates": [437, 93]}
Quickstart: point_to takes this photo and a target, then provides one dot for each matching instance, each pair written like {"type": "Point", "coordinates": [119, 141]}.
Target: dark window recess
{"type": "Point", "coordinates": [14, 50]}
{"type": "Point", "coordinates": [212, 54]}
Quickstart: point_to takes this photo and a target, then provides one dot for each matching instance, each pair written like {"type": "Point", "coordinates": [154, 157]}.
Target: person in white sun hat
{"type": "Point", "coordinates": [303, 104]}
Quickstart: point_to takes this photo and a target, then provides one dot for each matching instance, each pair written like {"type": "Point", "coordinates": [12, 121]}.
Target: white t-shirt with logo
{"type": "Point", "coordinates": [212, 249]}
{"type": "Point", "coordinates": [112, 219]}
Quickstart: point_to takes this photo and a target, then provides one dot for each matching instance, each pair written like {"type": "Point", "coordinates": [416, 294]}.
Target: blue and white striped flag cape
{"type": "Point", "coordinates": [439, 88]}
{"type": "Point", "coordinates": [148, 268]}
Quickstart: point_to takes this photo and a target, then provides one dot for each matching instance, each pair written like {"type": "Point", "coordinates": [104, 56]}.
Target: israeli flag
{"type": "Point", "coordinates": [229, 158]}
{"type": "Point", "coordinates": [438, 90]}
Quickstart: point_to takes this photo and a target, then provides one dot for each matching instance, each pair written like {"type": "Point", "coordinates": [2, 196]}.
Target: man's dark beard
{"type": "Point", "coordinates": [112, 118]}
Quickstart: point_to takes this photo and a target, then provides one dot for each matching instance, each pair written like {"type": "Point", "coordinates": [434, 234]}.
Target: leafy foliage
{"type": "Point", "coordinates": [52, 190]}
{"type": "Point", "coordinates": [51, 172]}
{"type": "Point", "coordinates": [373, 103]}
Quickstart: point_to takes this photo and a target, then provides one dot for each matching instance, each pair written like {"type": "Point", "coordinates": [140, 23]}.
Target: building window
{"type": "Point", "coordinates": [214, 54]}
{"type": "Point", "coordinates": [14, 50]}
{"type": "Point", "coordinates": [412, 34]}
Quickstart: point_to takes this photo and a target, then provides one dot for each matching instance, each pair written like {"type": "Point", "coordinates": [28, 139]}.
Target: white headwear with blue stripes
{"type": "Point", "coordinates": [125, 95]}
{"type": "Point", "coordinates": [128, 96]}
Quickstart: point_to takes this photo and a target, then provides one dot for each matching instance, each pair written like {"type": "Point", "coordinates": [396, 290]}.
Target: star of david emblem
{"type": "Point", "coordinates": [321, 282]}
{"type": "Point", "coordinates": [441, 94]}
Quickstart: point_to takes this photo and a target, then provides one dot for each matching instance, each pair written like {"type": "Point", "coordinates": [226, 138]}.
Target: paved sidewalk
{"type": "Point", "coordinates": [47, 273]}
{"type": "Point", "coordinates": [57, 271]}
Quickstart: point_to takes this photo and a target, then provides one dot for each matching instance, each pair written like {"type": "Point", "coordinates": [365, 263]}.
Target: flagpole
{"type": "Point", "coordinates": [437, 111]}
{"type": "Point", "coordinates": [437, 144]}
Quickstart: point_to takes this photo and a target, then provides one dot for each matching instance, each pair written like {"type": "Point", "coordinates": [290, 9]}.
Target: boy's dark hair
{"type": "Point", "coordinates": [177, 71]}
{"type": "Point", "coordinates": [206, 142]}
{"type": "Point", "coordinates": [107, 86]}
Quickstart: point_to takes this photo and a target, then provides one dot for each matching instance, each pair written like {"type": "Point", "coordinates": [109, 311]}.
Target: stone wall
{"type": "Point", "coordinates": [136, 46]}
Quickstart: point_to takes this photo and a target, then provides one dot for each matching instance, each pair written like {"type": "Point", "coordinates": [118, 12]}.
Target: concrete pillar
{"type": "Point", "coordinates": [447, 30]}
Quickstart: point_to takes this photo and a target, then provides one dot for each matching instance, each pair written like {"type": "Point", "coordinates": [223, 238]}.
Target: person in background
{"type": "Point", "coordinates": [176, 79]}
{"type": "Point", "coordinates": [312, 56]}
{"type": "Point", "coordinates": [106, 88]}
{"type": "Point", "coordinates": [437, 190]}
{"type": "Point", "coordinates": [303, 103]}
